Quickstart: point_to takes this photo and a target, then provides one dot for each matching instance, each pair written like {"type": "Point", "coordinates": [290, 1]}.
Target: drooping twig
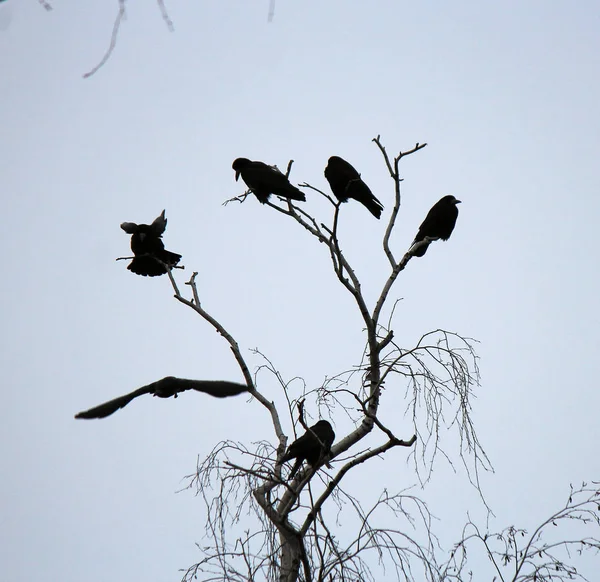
{"type": "Point", "coordinates": [165, 15]}
{"type": "Point", "coordinates": [116, 29]}
{"type": "Point", "coordinates": [113, 40]}
{"type": "Point", "coordinates": [271, 11]}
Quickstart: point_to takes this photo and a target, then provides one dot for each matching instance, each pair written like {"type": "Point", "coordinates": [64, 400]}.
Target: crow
{"type": "Point", "coordinates": [314, 444]}
{"type": "Point", "coordinates": [265, 180]}
{"type": "Point", "coordinates": [165, 388]}
{"type": "Point", "coordinates": [151, 259]}
{"type": "Point", "coordinates": [439, 223]}
{"type": "Point", "coordinates": [346, 183]}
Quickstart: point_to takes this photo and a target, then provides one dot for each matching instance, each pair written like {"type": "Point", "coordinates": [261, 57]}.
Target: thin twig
{"type": "Point", "coordinates": [195, 305]}
{"type": "Point", "coordinates": [116, 28]}
{"type": "Point", "coordinates": [113, 40]}
{"type": "Point", "coordinates": [165, 15]}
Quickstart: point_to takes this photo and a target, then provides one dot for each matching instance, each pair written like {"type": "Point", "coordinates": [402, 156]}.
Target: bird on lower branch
{"type": "Point", "coordinates": [312, 446]}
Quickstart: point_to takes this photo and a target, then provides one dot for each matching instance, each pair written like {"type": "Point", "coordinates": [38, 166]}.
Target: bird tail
{"type": "Point", "coordinates": [295, 468]}
{"type": "Point", "coordinates": [292, 193]}
{"type": "Point", "coordinates": [153, 265]}
{"type": "Point", "coordinates": [169, 258]}
{"type": "Point", "coordinates": [374, 206]}
{"type": "Point", "coordinates": [358, 190]}
{"type": "Point", "coordinates": [147, 266]}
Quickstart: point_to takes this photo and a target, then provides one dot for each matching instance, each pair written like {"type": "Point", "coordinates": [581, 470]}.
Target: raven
{"type": "Point", "coordinates": [165, 388]}
{"type": "Point", "coordinates": [265, 180]}
{"type": "Point", "coordinates": [314, 444]}
{"type": "Point", "coordinates": [439, 223]}
{"type": "Point", "coordinates": [346, 183]}
{"type": "Point", "coordinates": [151, 259]}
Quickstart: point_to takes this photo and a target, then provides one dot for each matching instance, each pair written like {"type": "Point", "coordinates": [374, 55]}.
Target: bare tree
{"type": "Point", "coordinates": [293, 531]}
{"type": "Point", "coordinates": [263, 526]}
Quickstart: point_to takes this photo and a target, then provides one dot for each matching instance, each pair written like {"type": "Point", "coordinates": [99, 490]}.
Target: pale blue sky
{"type": "Point", "coordinates": [506, 96]}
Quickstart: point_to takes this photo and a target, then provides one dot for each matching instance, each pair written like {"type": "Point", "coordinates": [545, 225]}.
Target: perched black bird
{"type": "Point", "coordinates": [346, 183]}
{"type": "Point", "coordinates": [265, 180]}
{"type": "Point", "coordinates": [439, 223]}
{"type": "Point", "coordinates": [165, 388]}
{"type": "Point", "coordinates": [151, 258]}
{"type": "Point", "coordinates": [311, 446]}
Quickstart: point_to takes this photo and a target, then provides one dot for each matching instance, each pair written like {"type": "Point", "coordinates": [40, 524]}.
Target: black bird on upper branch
{"type": "Point", "coordinates": [314, 444]}
{"type": "Point", "coordinates": [346, 183]}
{"type": "Point", "coordinates": [439, 223]}
{"type": "Point", "coordinates": [165, 388]}
{"type": "Point", "coordinates": [265, 180]}
{"type": "Point", "coordinates": [151, 259]}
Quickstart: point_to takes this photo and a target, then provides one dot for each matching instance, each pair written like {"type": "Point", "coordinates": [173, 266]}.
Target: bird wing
{"type": "Point", "coordinates": [264, 180]}
{"type": "Point", "coordinates": [358, 190]}
{"type": "Point", "coordinates": [339, 173]}
{"type": "Point", "coordinates": [345, 182]}
{"type": "Point", "coordinates": [165, 388]}
{"type": "Point", "coordinates": [129, 227]}
{"type": "Point", "coordinates": [159, 224]}
{"type": "Point", "coordinates": [218, 388]}
{"type": "Point", "coordinates": [430, 225]}
{"type": "Point", "coordinates": [299, 448]}
{"type": "Point", "coordinates": [263, 176]}
{"type": "Point", "coordinates": [106, 409]}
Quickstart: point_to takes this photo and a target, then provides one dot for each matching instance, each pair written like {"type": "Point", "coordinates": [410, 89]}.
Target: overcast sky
{"type": "Point", "coordinates": [505, 94]}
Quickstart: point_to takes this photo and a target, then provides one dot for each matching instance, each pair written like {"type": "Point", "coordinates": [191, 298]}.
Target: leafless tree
{"type": "Point", "coordinates": [261, 526]}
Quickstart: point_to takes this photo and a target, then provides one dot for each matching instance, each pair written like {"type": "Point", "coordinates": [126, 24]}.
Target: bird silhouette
{"type": "Point", "coordinates": [165, 388]}
{"type": "Point", "coordinates": [438, 224]}
{"type": "Point", "coordinates": [314, 444]}
{"type": "Point", "coordinates": [151, 259]}
{"type": "Point", "coordinates": [346, 183]}
{"type": "Point", "coordinates": [265, 180]}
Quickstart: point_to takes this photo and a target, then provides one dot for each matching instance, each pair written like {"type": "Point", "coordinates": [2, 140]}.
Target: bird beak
{"type": "Point", "coordinates": [237, 175]}
{"type": "Point", "coordinates": [457, 201]}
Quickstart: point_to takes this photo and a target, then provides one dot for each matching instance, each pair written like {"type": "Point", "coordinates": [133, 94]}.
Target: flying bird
{"type": "Point", "coordinates": [311, 446]}
{"type": "Point", "coordinates": [151, 259]}
{"type": "Point", "coordinates": [439, 223]}
{"type": "Point", "coordinates": [346, 183]}
{"type": "Point", "coordinates": [265, 180]}
{"type": "Point", "coordinates": [166, 388]}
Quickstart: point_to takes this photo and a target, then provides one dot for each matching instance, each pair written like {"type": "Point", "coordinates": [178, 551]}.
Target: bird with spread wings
{"type": "Point", "coordinates": [150, 257]}
{"type": "Point", "coordinates": [165, 388]}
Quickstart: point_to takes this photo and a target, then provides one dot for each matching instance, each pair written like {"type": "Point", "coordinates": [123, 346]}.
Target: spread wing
{"type": "Point", "coordinates": [159, 224]}
{"type": "Point", "coordinates": [129, 227]}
